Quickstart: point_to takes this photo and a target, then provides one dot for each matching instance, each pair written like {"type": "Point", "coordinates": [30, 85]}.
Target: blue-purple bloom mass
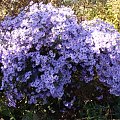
{"type": "Point", "coordinates": [41, 47]}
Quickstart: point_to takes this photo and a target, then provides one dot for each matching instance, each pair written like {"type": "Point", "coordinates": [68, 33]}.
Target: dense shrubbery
{"type": "Point", "coordinates": [47, 58]}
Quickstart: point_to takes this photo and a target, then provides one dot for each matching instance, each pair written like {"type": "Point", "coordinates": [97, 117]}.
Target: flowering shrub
{"type": "Point", "coordinates": [33, 64]}
{"type": "Point", "coordinates": [105, 43]}
{"type": "Point", "coordinates": [44, 46]}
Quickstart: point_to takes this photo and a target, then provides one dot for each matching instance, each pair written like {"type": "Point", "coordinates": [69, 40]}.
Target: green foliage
{"type": "Point", "coordinates": [5, 111]}
{"type": "Point", "coordinates": [30, 116]}
{"type": "Point", "coordinates": [107, 10]}
{"type": "Point", "coordinates": [95, 111]}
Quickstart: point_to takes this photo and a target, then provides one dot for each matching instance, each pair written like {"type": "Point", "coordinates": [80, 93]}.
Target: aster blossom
{"type": "Point", "coordinates": [43, 46]}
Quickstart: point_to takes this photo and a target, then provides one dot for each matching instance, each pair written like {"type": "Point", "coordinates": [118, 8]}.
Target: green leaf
{"type": "Point", "coordinates": [35, 117]}
{"type": "Point", "coordinates": [28, 116]}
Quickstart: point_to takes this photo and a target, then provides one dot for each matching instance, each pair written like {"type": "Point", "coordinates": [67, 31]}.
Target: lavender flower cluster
{"type": "Point", "coordinates": [43, 46]}
{"type": "Point", "coordinates": [105, 44]}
